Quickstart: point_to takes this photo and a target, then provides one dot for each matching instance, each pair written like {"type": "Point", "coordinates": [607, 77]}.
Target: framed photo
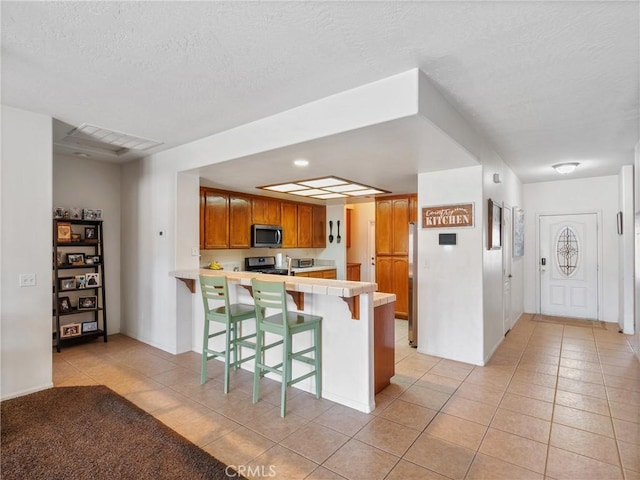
{"type": "Point", "coordinates": [67, 283]}
{"type": "Point", "coordinates": [97, 214]}
{"type": "Point", "coordinates": [64, 305]}
{"type": "Point", "coordinates": [92, 279]}
{"type": "Point", "coordinates": [75, 258]}
{"type": "Point", "coordinates": [87, 303]}
{"type": "Point", "coordinates": [92, 259]}
{"type": "Point", "coordinates": [58, 212]}
{"type": "Point", "coordinates": [59, 257]}
{"type": "Point", "coordinates": [76, 237]}
{"type": "Point", "coordinates": [518, 232]}
{"type": "Point", "coordinates": [495, 226]}
{"type": "Point", "coordinates": [89, 327]}
{"type": "Point", "coordinates": [90, 234]}
{"type": "Point", "coordinates": [64, 232]}
{"type": "Point", "coordinates": [70, 330]}
{"type": "Point", "coordinates": [81, 281]}
{"type": "Point", "coordinates": [75, 213]}
{"type": "Point", "coordinates": [89, 214]}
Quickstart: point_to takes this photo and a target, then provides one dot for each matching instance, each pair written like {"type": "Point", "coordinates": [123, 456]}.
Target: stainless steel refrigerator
{"type": "Point", "coordinates": [413, 286]}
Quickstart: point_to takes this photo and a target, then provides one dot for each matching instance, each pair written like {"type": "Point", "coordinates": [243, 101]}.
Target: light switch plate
{"type": "Point", "coordinates": [27, 279]}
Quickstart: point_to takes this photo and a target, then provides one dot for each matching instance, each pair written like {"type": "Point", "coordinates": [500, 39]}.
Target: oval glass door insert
{"type": "Point", "coordinates": [567, 251]}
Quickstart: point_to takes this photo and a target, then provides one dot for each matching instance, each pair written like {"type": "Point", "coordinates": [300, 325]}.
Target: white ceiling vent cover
{"type": "Point", "coordinates": [116, 142]}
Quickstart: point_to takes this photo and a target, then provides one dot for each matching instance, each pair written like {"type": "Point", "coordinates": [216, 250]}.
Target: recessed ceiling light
{"type": "Point", "coordinates": [324, 188]}
{"type": "Point", "coordinates": [301, 162]}
{"type": "Point", "coordinates": [564, 168]}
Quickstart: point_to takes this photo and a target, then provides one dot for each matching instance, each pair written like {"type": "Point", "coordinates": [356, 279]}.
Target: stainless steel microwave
{"type": "Point", "coordinates": [266, 236]}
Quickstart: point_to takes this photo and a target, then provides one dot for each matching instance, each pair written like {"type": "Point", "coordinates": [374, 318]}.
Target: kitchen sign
{"type": "Point", "coordinates": [448, 216]}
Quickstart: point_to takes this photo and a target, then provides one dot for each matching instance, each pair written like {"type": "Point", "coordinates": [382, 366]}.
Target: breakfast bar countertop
{"type": "Point", "coordinates": [322, 286]}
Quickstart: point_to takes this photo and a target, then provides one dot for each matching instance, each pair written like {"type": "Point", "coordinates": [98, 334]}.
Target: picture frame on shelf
{"type": "Point", "coordinates": [67, 283]}
{"type": "Point", "coordinates": [76, 237]}
{"type": "Point", "coordinates": [75, 258]}
{"type": "Point", "coordinates": [64, 305]}
{"type": "Point", "coordinates": [494, 228]}
{"type": "Point", "coordinates": [59, 257]}
{"type": "Point", "coordinates": [75, 213]}
{"type": "Point", "coordinates": [88, 327]}
{"type": "Point", "coordinates": [90, 234]}
{"type": "Point", "coordinates": [81, 281]}
{"type": "Point", "coordinates": [92, 279]}
{"type": "Point", "coordinates": [58, 212]}
{"type": "Point", "coordinates": [63, 234]}
{"type": "Point", "coordinates": [70, 330]}
{"type": "Point", "coordinates": [92, 214]}
{"type": "Point", "coordinates": [88, 303]}
{"type": "Point", "coordinates": [92, 260]}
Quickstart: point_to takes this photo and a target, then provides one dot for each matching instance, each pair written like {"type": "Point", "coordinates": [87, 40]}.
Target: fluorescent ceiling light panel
{"type": "Point", "coordinates": [368, 191]}
{"type": "Point", "coordinates": [285, 187]}
{"type": "Point", "coordinates": [324, 188]}
{"type": "Point", "coordinates": [326, 196]}
{"type": "Point", "coordinates": [308, 192]}
{"type": "Point", "coordinates": [323, 182]}
{"type": "Point", "coordinates": [346, 188]}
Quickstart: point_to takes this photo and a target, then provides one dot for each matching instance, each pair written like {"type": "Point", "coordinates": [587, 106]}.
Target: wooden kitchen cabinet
{"type": "Point", "coordinates": [319, 232]}
{"type": "Point", "coordinates": [392, 226]}
{"type": "Point", "coordinates": [393, 215]}
{"type": "Point", "coordinates": [266, 211]}
{"type": "Point", "coordinates": [305, 225]}
{"type": "Point", "coordinates": [330, 273]}
{"type": "Point", "coordinates": [392, 276]}
{"type": "Point", "coordinates": [239, 221]}
{"type": "Point", "coordinates": [353, 272]}
{"type": "Point", "coordinates": [216, 219]}
{"type": "Point", "coordinates": [289, 222]}
{"type": "Point", "coordinates": [413, 208]}
{"type": "Point", "coordinates": [202, 197]}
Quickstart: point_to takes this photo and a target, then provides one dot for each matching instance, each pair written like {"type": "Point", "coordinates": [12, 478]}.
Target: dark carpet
{"type": "Point", "coordinates": [93, 433]}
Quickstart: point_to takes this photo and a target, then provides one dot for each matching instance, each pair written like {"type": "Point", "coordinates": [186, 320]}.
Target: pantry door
{"type": "Point", "coordinates": [568, 265]}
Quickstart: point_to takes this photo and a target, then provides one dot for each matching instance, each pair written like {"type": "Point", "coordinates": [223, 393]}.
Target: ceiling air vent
{"type": "Point", "coordinates": [104, 139]}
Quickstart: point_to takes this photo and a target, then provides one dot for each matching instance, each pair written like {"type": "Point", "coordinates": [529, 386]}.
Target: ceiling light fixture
{"type": "Point", "coordinates": [301, 162]}
{"type": "Point", "coordinates": [324, 188]}
{"type": "Point", "coordinates": [564, 168]}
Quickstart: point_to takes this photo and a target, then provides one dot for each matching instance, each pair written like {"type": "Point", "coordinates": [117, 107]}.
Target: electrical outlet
{"type": "Point", "coordinates": [27, 279]}
{"type": "Point", "coordinates": [195, 252]}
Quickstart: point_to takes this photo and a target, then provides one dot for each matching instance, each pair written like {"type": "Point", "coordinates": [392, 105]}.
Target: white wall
{"type": "Point", "coordinates": [437, 110]}
{"type": "Point", "coordinates": [599, 194]}
{"type": "Point", "coordinates": [636, 164]}
{"type": "Point", "coordinates": [625, 251]}
{"type": "Point", "coordinates": [26, 248]}
{"type": "Point", "coordinates": [450, 314]}
{"type": "Point", "coordinates": [85, 183]}
{"type": "Point", "coordinates": [336, 251]}
{"type": "Point", "coordinates": [151, 302]}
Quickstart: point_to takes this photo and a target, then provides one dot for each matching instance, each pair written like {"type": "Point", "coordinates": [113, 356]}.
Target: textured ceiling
{"type": "Point", "coordinates": [546, 82]}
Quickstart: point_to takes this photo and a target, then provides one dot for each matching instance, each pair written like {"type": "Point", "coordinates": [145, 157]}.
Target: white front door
{"type": "Point", "coordinates": [507, 319]}
{"type": "Point", "coordinates": [569, 265]}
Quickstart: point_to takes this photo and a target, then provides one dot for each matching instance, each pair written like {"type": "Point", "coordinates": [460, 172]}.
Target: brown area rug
{"type": "Point", "coordinates": [93, 433]}
{"type": "Point", "coordinates": [570, 322]}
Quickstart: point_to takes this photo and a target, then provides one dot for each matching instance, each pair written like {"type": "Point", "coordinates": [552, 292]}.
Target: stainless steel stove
{"type": "Point", "coordinates": [263, 265]}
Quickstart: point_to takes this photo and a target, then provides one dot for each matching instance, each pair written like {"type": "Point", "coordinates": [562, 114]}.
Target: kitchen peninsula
{"type": "Point", "coordinates": [357, 331]}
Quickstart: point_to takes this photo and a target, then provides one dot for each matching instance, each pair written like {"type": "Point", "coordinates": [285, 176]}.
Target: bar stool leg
{"type": "Point", "coordinates": [205, 354]}
{"type": "Point", "coordinates": [317, 338]}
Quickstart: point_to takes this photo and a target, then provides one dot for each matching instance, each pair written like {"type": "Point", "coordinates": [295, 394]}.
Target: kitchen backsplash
{"type": "Point", "coordinates": [232, 259]}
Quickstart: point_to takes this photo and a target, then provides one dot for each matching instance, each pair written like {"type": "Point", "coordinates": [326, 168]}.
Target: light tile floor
{"type": "Point", "coordinates": [555, 402]}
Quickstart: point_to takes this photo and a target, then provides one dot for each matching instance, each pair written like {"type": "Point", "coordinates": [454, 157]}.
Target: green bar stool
{"type": "Point", "coordinates": [272, 296]}
{"type": "Point", "coordinates": [231, 315]}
